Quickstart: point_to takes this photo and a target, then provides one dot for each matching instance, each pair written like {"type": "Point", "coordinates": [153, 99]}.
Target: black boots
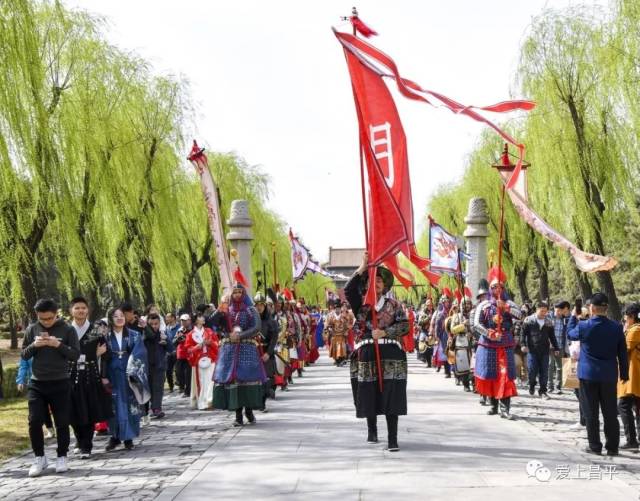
{"type": "Point", "coordinates": [494, 407]}
{"type": "Point", "coordinates": [372, 427]}
{"type": "Point", "coordinates": [505, 407]}
{"type": "Point", "coordinates": [239, 421]}
{"type": "Point", "coordinates": [250, 417]}
{"type": "Point", "coordinates": [392, 432]}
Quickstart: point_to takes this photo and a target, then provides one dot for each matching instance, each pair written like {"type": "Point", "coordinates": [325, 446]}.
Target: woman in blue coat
{"type": "Point", "coordinates": [127, 360]}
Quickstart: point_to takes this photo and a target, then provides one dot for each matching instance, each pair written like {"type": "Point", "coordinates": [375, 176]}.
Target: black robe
{"type": "Point", "coordinates": [90, 402]}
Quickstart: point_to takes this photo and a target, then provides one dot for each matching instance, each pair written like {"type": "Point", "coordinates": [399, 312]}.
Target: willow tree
{"type": "Point", "coordinates": [569, 129]}
{"type": "Point", "coordinates": [40, 49]}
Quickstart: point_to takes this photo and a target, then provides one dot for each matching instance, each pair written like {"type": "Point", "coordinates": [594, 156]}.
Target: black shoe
{"type": "Point", "coordinates": [393, 447]}
{"type": "Point", "coordinates": [532, 391]}
{"type": "Point", "coordinates": [250, 417]}
{"type": "Point", "coordinates": [630, 445]}
{"type": "Point", "coordinates": [112, 444]}
{"type": "Point", "coordinates": [237, 424]}
{"type": "Point", "coordinates": [492, 412]}
{"type": "Point", "coordinates": [438, 369]}
{"type": "Point", "coordinates": [483, 401]}
{"type": "Point", "coordinates": [448, 376]}
{"type": "Point", "coordinates": [612, 453]}
{"type": "Point", "coordinates": [372, 438]}
{"type": "Point", "coordinates": [506, 415]}
{"type": "Point", "coordinates": [159, 415]}
{"type": "Point", "coordinates": [128, 444]}
{"type": "Point", "coordinates": [589, 450]}
{"type": "Point", "coordinates": [467, 389]}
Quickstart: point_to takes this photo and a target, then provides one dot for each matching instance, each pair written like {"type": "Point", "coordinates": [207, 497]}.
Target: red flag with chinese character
{"type": "Point", "coordinates": [384, 149]}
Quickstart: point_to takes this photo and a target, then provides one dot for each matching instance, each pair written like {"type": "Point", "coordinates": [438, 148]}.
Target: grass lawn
{"type": "Point", "coordinates": [9, 356]}
{"type": "Point", "coordinates": [14, 434]}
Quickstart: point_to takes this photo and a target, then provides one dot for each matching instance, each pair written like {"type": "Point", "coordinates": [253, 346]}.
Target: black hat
{"type": "Point", "coordinates": [483, 287]}
{"type": "Point", "coordinates": [599, 299]}
{"type": "Point", "coordinates": [383, 273]}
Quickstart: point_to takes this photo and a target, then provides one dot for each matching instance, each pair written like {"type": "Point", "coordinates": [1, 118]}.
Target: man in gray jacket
{"type": "Point", "coordinates": [51, 343]}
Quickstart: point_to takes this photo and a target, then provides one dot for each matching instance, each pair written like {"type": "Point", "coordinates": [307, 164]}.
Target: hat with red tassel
{"type": "Point", "coordinates": [496, 276]}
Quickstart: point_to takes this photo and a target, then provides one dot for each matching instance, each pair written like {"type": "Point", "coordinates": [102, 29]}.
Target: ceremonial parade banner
{"type": "Point", "coordinates": [210, 193]}
{"type": "Point", "coordinates": [585, 261]}
{"type": "Point", "coordinates": [299, 258]}
{"type": "Point", "coordinates": [443, 249]}
{"type": "Point", "coordinates": [302, 262]}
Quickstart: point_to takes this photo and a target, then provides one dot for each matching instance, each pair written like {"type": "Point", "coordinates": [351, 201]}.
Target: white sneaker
{"type": "Point", "coordinates": [146, 420]}
{"type": "Point", "coordinates": [38, 466]}
{"type": "Point", "coordinates": [576, 426]}
{"type": "Point", "coordinates": [76, 450]}
{"type": "Point", "coordinates": [61, 464]}
{"type": "Point", "coordinates": [51, 433]}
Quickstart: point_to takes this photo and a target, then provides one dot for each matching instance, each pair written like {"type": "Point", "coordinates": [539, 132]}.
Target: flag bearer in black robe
{"type": "Point", "coordinates": [392, 325]}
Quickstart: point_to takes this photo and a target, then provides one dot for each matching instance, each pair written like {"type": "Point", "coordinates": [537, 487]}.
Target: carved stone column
{"type": "Point", "coordinates": [240, 236]}
{"type": "Point", "coordinates": [476, 235]}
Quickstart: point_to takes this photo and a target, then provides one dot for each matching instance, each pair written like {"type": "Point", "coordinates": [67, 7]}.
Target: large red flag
{"type": "Point", "coordinates": [384, 66]}
{"type": "Point", "coordinates": [384, 144]}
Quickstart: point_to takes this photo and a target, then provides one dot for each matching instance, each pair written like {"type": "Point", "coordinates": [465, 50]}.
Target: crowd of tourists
{"type": "Point", "coordinates": [110, 376]}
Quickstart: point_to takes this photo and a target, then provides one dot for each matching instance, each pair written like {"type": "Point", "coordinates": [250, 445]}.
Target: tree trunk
{"type": "Point", "coordinates": [29, 286]}
{"type": "Point", "coordinates": [147, 280]}
{"type": "Point", "coordinates": [542, 267]}
{"type": "Point", "coordinates": [215, 285]}
{"type": "Point", "coordinates": [606, 285]}
{"type": "Point", "coordinates": [521, 279]}
{"type": "Point", "coordinates": [592, 191]}
{"type": "Point", "coordinates": [187, 301]}
{"type": "Point", "coordinates": [13, 329]}
{"type": "Point", "coordinates": [583, 284]}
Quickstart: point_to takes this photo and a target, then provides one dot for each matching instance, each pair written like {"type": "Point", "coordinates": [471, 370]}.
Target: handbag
{"type": "Point", "coordinates": [570, 373]}
{"type": "Point", "coordinates": [204, 362]}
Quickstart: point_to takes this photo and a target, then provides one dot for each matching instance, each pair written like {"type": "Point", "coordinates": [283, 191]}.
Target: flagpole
{"type": "Point", "coordinates": [371, 269]}
{"type": "Point", "coordinates": [275, 271]}
{"type": "Point", "coordinates": [500, 241]}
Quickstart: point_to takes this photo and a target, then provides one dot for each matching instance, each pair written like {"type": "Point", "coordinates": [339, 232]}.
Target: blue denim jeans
{"type": "Point", "coordinates": [538, 365]}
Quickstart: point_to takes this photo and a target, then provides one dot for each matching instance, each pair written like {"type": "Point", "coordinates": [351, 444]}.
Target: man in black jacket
{"type": "Point", "coordinates": [537, 336]}
{"type": "Point", "coordinates": [52, 344]}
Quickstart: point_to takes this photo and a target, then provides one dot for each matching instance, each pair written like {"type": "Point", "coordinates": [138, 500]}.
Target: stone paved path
{"type": "Point", "coordinates": [163, 451]}
{"type": "Point", "coordinates": [310, 446]}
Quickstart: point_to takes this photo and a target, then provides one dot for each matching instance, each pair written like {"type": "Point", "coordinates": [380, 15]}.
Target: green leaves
{"type": "Point", "coordinates": [580, 65]}
{"type": "Point", "coordinates": [96, 194]}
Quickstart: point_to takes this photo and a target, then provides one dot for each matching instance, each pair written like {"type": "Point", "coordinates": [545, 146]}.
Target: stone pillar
{"type": "Point", "coordinates": [476, 234]}
{"type": "Point", "coordinates": [240, 237]}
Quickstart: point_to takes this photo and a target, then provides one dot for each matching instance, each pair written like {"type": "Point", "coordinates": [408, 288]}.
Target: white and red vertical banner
{"type": "Point", "coordinates": [210, 193]}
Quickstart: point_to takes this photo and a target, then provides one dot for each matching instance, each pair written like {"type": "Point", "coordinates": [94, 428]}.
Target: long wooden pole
{"type": "Point", "coordinates": [371, 269]}
{"type": "Point", "coordinates": [500, 241]}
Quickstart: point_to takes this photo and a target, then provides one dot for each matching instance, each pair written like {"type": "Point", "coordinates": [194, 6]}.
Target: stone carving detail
{"type": "Point", "coordinates": [239, 214]}
{"type": "Point", "coordinates": [478, 212]}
